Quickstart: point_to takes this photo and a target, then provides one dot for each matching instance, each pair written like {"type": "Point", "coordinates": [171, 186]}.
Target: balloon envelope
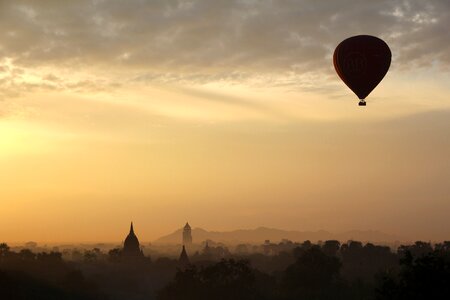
{"type": "Point", "coordinates": [361, 62]}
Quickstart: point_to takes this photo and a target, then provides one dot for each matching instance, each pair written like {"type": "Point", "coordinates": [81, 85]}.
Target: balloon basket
{"type": "Point", "coordinates": [362, 103]}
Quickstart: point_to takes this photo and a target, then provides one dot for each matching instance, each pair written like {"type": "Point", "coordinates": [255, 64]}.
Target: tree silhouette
{"type": "Point", "coordinates": [426, 277]}
{"type": "Point", "coordinates": [313, 271]}
{"type": "Point", "coordinates": [4, 251]}
{"type": "Point", "coordinates": [27, 255]}
{"type": "Point", "coordinates": [114, 255]}
{"type": "Point", "coordinates": [226, 280]}
{"type": "Point", "coordinates": [418, 249]}
{"type": "Point", "coordinates": [331, 247]}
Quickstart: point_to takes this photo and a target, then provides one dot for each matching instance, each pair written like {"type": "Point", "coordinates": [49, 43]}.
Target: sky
{"type": "Point", "coordinates": [226, 114]}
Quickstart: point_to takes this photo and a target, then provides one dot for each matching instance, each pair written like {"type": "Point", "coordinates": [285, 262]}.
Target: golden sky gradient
{"type": "Point", "coordinates": [227, 114]}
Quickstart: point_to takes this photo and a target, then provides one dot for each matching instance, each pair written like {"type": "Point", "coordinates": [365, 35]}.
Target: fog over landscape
{"type": "Point", "coordinates": [192, 263]}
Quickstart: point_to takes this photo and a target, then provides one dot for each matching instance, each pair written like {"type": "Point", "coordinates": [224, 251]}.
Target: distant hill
{"type": "Point", "coordinates": [260, 234]}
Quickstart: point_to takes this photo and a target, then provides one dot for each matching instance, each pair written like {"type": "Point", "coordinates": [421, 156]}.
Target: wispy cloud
{"type": "Point", "coordinates": [216, 38]}
{"type": "Point", "coordinates": [241, 102]}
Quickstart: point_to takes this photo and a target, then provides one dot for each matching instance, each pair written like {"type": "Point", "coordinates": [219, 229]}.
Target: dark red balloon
{"type": "Point", "coordinates": [361, 62]}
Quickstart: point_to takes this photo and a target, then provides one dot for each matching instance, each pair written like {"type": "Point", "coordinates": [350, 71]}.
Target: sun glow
{"type": "Point", "coordinates": [15, 139]}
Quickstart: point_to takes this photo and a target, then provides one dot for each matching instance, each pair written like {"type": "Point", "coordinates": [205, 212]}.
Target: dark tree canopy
{"type": "Point", "coordinates": [425, 277]}
{"type": "Point", "coordinates": [226, 280]}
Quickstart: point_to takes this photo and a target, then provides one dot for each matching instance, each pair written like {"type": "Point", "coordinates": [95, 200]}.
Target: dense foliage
{"type": "Point", "coordinates": [287, 271]}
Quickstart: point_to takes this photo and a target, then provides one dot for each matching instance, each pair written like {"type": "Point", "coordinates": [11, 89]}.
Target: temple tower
{"type": "Point", "coordinates": [131, 247]}
{"type": "Point", "coordinates": [187, 236]}
{"type": "Point", "coordinates": [184, 259]}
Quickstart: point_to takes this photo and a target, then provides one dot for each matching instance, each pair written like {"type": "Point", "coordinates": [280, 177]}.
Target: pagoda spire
{"type": "Point", "coordinates": [131, 228]}
{"type": "Point", "coordinates": [184, 259]}
{"type": "Point", "coordinates": [131, 246]}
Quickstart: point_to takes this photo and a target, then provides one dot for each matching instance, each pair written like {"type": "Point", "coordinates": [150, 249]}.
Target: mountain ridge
{"type": "Point", "coordinates": [260, 234]}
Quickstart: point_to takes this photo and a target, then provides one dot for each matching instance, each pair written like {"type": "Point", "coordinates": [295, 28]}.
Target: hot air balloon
{"type": "Point", "coordinates": [361, 62]}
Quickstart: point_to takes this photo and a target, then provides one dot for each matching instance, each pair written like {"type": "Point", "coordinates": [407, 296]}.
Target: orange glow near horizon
{"type": "Point", "coordinates": [80, 168]}
{"type": "Point", "coordinates": [216, 121]}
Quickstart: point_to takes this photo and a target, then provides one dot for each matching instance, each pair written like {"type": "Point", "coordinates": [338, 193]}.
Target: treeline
{"type": "Point", "coordinates": [29, 275]}
{"type": "Point", "coordinates": [326, 271]}
{"type": "Point", "coordinates": [284, 271]}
